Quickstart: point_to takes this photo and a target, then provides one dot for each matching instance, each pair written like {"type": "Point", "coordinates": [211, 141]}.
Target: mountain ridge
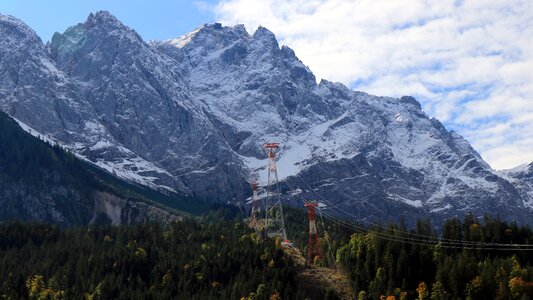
{"type": "Point", "coordinates": [190, 114]}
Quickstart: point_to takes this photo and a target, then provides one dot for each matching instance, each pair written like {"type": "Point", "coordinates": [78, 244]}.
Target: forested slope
{"type": "Point", "coordinates": [227, 260]}
{"type": "Point", "coordinates": [470, 262]}
{"type": "Point", "coordinates": [465, 259]}
{"type": "Point", "coordinates": [41, 182]}
{"type": "Point", "coordinates": [185, 260]}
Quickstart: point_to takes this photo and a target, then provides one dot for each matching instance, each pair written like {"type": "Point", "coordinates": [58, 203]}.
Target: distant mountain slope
{"type": "Point", "coordinates": [522, 178]}
{"type": "Point", "coordinates": [191, 115]}
{"type": "Point", "coordinates": [40, 182]}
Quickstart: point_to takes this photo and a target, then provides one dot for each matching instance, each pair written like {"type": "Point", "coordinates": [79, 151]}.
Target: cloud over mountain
{"type": "Point", "coordinates": [469, 62]}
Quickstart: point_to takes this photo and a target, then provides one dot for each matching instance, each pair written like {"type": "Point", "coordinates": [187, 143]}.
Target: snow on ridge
{"type": "Point", "coordinates": [51, 68]}
{"type": "Point", "coordinates": [36, 133]}
{"type": "Point", "coordinates": [414, 138]}
{"type": "Point", "coordinates": [439, 209]}
{"type": "Point", "coordinates": [518, 169]}
{"type": "Point", "coordinates": [254, 95]}
{"type": "Point", "coordinates": [519, 176]}
{"type": "Point", "coordinates": [183, 40]}
{"type": "Point", "coordinates": [414, 203]}
{"type": "Point", "coordinates": [101, 145]}
{"type": "Point", "coordinates": [124, 170]}
{"type": "Point", "coordinates": [298, 152]}
{"type": "Point", "coordinates": [127, 169]}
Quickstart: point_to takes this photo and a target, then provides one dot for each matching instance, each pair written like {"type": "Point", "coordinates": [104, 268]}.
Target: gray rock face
{"type": "Point", "coordinates": [191, 114]}
{"type": "Point", "coordinates": [522, 179]}
{"type": "Point", "coordinates": [66, 206]}
{"type": "Point", "coordinates": [32, 87]}
{"type": "Point", "coordinates": [141, 98]}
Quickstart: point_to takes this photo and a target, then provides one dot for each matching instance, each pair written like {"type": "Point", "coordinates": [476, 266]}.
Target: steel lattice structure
{"type": "Point", "coordinates": [274, 221]}
{"type": "Point", "coordinates": [313, 246]}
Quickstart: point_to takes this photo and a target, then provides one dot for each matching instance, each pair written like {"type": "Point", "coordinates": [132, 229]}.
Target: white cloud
{"type": "Point", "coordinates": [470, 63]}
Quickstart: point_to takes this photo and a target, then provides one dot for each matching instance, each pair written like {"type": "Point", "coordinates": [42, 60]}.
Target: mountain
{"type": "Point", "coordinates": [44, 183]}
{"type": "Point", "coordinates": [522, 178]}
{"type": "Point", "coordinates": [191, 114]}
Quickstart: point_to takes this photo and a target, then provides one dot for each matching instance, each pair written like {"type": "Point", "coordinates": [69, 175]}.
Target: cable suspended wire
{"type": "Point", "coordinates": [406, 232]}
{"type": "Point", "coordinates": [326, 237]}
{"type": "Point", "coordinates": [431, 240]}
{"type": "Point", "coordinates": [382, 235]}
{"type": "Point", "coordinates": [323, 226]}
{"type": "Point", "coordinates": [393, 238]}
{"type": "Point", "coordinates": [408, 240]}
{"type": "Point", "coordinates": [417, 239]}
{"type": "Point", "coordinates": [294, 189]}
{"type": "Point", "coordinates": [425, 237]}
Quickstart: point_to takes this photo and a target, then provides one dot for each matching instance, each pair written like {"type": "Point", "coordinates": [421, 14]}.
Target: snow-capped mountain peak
{"type": "Point", "coordinates": [191, 114]}
{"type": "Point", "coordinates": [211, 36]}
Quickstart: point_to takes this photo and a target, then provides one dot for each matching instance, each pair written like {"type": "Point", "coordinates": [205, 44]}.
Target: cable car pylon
{"type": "Point", "coordinates": [274, 221]}
{"type": "Point", "coordinates": [313, 246]}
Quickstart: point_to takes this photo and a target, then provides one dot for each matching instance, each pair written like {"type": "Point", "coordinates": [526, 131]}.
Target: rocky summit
{"type": "Point", "coordinates": [191, 114]}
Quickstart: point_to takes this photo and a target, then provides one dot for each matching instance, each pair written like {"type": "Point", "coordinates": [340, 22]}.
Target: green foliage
{"type": "Point", "coordinates": [38, 289]}
{"type": "Point", "coordinates": [222, 212]}
{"type": "Point", "coordinates": [185, 260]}
{"type": "Point", "coordinates": [474, 289]}
{"type": "Point", "coordinates": [438, 292]}
{"type": "Point", "coordinates": [362, 296]}
{"type": "Point", "coordinates": [390, 267]}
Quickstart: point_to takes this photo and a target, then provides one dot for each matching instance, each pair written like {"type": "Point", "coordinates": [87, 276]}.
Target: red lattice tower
{"type": "Point", "coordinates": [255, 203]}
{"type": "Point", "coordinates": [274, 222]}
{"type": "Point", "coordinates": [313, 247]}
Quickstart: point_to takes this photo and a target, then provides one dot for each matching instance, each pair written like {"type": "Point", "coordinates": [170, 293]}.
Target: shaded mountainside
{"type": "Point", "coordinates": [191, 114]}
{"type": "Point", "coordinates": [40, 182]}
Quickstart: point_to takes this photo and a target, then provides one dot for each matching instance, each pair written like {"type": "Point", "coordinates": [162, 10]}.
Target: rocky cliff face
{"type": "Point", "coordinates": [191, 114]}
{"type": "Point", "coordinates": [59, 203]}
{"type": "Point", "coordinates": [522, 179]}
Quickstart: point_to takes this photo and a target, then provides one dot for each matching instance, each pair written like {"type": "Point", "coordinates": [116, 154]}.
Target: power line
{"type": "Point", "coordinates": [326, 237]}
{"type": "Point", "coordinates": [411, 238]}
{"type": "Point", "coordinates": [423, 237]}
{"type": "Point", "coordinates": [420, 242]}
{"type": "Point", "coordinates": [323, 226]}
{"type": "Point", "coordinates": [432, 241]}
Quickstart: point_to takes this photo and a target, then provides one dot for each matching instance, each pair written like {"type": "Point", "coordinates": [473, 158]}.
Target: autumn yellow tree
{"type": "Point", "coordinates": [422, 291]}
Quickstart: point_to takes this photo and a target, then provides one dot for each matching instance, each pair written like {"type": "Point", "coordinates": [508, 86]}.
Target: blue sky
{"type": "Point", "coordinates": [151, 19]}
{"type": "Point", "coordinates": [469, 63]}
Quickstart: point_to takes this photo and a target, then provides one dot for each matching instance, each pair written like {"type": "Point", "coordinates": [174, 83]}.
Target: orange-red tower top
{"type": "Point", "coordinates": [271, 145]}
